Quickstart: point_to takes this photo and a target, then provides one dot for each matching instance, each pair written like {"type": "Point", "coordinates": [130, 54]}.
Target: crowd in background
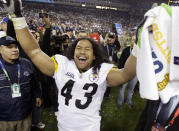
{"type": "Point", "coordinates": [89, 19]}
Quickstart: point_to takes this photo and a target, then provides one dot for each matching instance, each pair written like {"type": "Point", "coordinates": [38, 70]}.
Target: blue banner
{"type": "Point", "coordinates": [118, 29]}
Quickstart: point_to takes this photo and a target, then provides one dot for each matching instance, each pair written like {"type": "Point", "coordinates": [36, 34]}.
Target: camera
{"type": "Point", "coordinates": [59, 39]}
{"type": "Point", "coordinates": [111, 35]}
{"type": "Point", "coordinates": [41, 15]}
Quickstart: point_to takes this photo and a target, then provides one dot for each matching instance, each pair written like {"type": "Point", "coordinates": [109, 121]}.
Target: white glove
{"type": "Point", "coordinates": [13, 7]}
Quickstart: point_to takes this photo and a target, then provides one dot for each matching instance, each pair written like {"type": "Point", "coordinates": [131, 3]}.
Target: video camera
{"type": "Point", "coordinates": [59, 39]}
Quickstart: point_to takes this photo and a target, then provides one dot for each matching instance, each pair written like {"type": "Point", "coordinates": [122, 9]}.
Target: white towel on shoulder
{"type": "Point", "coordinates": [174, 65]}
{"type": "Point", "coordinates": [145, 70]}
{"type": "Point", "coordinates": [154, 56]}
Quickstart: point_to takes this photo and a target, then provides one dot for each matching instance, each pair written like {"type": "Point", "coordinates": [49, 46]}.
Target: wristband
{"type": "Point", "coordinates": [19, 23]}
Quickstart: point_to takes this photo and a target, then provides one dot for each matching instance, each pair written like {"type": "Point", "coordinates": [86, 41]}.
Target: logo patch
{"type": "Point", "coordinates": [2, 77]}
{"type": "Point", "coordinates": [26, 73]}
{"type": "Point", "coordinates": [71, 75]}
{"type": "Point", "coordinates": [93, 77]}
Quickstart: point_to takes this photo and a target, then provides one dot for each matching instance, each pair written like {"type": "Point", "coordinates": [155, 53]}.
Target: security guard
{"type": "Point", "coordinates": [17, 79]}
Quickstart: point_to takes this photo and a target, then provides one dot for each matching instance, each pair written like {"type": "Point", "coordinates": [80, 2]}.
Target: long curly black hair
{"type": "Point", "coordinates": [98, 51]}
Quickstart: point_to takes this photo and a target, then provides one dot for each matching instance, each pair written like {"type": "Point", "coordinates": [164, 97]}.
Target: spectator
{"type": "Point", "coordinates": [3, 24]}
{"type": "Point", "coordinates": [131, 84]}
{"type": "Point", "coordinates": [18, 88]}
{"type": "Point", "coordinates": [112, 47]}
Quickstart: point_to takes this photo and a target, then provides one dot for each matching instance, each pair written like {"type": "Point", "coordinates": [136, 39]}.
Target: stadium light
{"type": "Point", "coordinates": [83, 5]}
{"type": "Point", "coordinates": [106, 7]}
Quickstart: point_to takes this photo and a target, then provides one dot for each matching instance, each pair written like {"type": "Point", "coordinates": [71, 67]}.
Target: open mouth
{"type": "Point", "coordinates": [82, 60]}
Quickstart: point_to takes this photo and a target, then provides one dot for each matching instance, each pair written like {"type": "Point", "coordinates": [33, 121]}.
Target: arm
{"type": "Point", "coordinates": [118, 77]}
{"type": "Point", "coordinates": [45, 46]}
{"type": "Point", "coordinates": [32, 49]}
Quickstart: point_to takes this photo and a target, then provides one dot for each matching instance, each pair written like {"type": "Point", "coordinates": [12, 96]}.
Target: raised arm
{"type": "Point", "coordinates": [118, 77]}
{"type": "Point", "coordinates": [26, 39]}
{"type": "Point", "coordinates": [32, 49]}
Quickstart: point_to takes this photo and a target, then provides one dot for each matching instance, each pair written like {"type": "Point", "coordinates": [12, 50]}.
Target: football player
{"type": "Point", "coordinates": [81, 76]}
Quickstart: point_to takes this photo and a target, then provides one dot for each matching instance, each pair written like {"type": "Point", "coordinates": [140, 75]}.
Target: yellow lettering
{"type": "Point", "coordinates": [155, 27]}
{"type": "Point", "coordinates": [162, 85]}
{"type": "Point", "coordinates": [162, 43]}
{"type": "Point", "coordinates": [158, 35]}
{"type": "Point", "coordinates": [168, 54]}
{"type": "Point", "coordinates": [166, 49]}
{"type": "Point", "coordinates": [168, 57]}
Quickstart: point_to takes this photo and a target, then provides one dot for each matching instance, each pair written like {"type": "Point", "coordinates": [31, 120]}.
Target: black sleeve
{"type": "Point", "coordinates": [10, 29]}
{"type": "Point", "coordinates": [35, 83]}
{"type": "Point", "coordinates": [122, 60]}
{"type": "Point", "coordinates": [148, 115]}
{"type": "Point", "coordinates": [36, 86]}
{"type": "Point", "coordinates": [45, 45]}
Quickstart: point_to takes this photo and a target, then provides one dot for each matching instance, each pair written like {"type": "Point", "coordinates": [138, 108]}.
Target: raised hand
{"type": "Point", "coordinates": [13, 7]}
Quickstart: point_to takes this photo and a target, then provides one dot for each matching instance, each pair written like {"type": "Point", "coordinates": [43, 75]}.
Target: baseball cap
{"type": "Point", "coordinates": [5, 20]}
{"type": "Point", "coordinates": [111, 35]}
{"type": "Point", "coordinates": [7, 40]}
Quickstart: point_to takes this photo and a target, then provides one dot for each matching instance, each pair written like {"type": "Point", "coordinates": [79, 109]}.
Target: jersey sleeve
{"type": "Point", "coordinates": [113, 68]}
{"type": "Point", "coordinates": [59, 62]}
{"type": "Point", "coordinates": [55, 63]}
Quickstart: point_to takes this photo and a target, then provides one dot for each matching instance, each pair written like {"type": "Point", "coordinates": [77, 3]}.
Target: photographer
{"type": "Point", "coordinates": [60, 43]}
{"type": "Point", "coordinates": [112, 46]}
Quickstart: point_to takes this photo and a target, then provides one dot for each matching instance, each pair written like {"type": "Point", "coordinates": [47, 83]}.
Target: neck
{"type": "Point", "coordinates": [10, 61]}
{"type": "Point", "coordinates": [81, 71]}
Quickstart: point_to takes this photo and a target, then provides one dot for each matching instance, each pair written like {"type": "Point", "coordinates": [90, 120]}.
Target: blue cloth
{"type": "Point", "coordinates": [131, 85]}
{"type": "Point", "coordinates": [12, 109]}
{"type": "Point", "coordinates": [4, 20]}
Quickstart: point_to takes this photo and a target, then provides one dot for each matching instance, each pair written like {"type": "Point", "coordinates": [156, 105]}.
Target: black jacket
{"type": "Point", "coordinates": [12, 109]}
{"type": "Point", "coordinates": [125, 54]}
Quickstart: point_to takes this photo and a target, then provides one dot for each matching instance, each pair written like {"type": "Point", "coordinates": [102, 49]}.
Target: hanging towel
{"type": "Point", "coordinates": [154, 56]}
{"type": "Point", "coordinates": [145, 70]}
{"type": "Point", "coordinates": [174, 65]}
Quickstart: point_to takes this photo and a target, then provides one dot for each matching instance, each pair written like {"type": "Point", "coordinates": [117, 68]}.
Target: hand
{"type": "Point", "coordinates": [105, 42]}
{"type": "Point", "coordinates": [38, 102]}
{"type": "Point", "coordinates": [13, 7]}
{"type": "Point", "coordinates": [46, 19]}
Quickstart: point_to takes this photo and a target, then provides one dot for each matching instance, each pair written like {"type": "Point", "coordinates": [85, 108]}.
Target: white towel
{"type": "Point", "coordinates": [174, 65]}
{"type": "Point", "coordinates": [145, 70]}
{"type": "Point", "coordinates": [153, 69]}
